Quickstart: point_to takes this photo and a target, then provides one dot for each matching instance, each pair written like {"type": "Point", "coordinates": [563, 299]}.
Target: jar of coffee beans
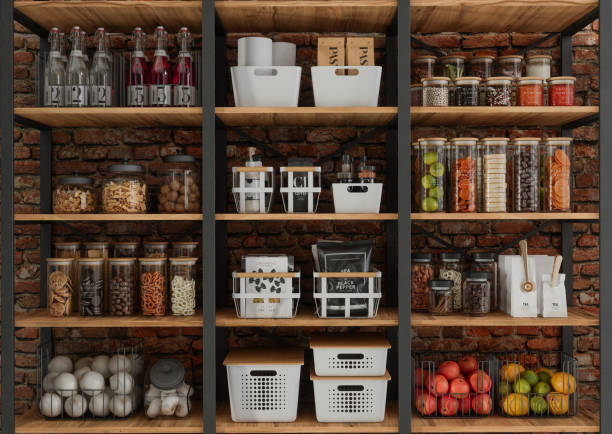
{"type": "Point", "coordinates": [422, 273]}
{"type": "Point", "coordinates": [91, 286]}
{"type": "Point", "coordinates": [526, 170]}
{"type": "Point", "coordinates": [476, 294]}
{"type": "Point", "coordinates": [122, 286]}
{"type": "Point", "coordinates": [441, 297]}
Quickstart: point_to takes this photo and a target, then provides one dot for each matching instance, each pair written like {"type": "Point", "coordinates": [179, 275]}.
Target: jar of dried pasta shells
{"type": "Point", "coordinates": [59, 286]}
{"type": "Point", "coordinates": [73, 195]}
{"type": "Point", "coordinates": [124, 190]}
{"type": "Point", "coordinates": [180, 190]}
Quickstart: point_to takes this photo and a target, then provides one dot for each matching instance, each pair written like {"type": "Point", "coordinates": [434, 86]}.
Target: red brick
{"type": "Point", "coordinates": [527, 330]}
{"type": "Point", "coordinates": [544, 344]}
{"type": "Point", "coordinates": [428, 332]}
{"type": "Point", "coordinates": [441, 41]}
{"type": "Point", "coordinates": [23, 57]}
{"type": "Point", "coordinates": [450, 228]}
{"type": "Point", "coordinates": [512, 227]}
{"type": "Point", "coordinates": [585, 39]}
{"type": "Point", "coordinates": [480, 40]}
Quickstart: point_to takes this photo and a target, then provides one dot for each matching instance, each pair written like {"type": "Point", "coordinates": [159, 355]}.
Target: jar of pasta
{"type": "Point", "coordinates": [435, 92]}
{"type": "Point", "coordinates": [530, 91]}
{"type": "Point", "coordinates": [59, 286]}
{"type": "Point", "coordinates": [451, 269]}
{"type": "Point", "coordinates": [91, 286]}
{"type": "Point", "coordinates": [482, 66]}
{"type": "Point", "coordinates": [74, 194]}
{"type": "Point", "coordinates": [422, 272]}
{"type": "Point", "coordinates": [494, 170]}
{"type": "Point", "coordinates": [525, 171]}
{"type": "Point", "coordinates": [122, 286]}
{"type": "Point", "coordinates": [423, 67]}
{"type": "Point", "coordinates": [463, 187]}
{"type": "Point", "coordinates": [432, 172]}
{"type": "Point", "coordinates": [556, 169]}
{"type": "Point", "coordinates": [452, 66]}
{"type": "Point", "coordinates": [561, 91]}
{"type": "Point", "coordinates": [180, 189]}
{"type": "Point", "coordinates": [510, 66]}
{"type": "Point", "coordinates": [467, 91]}
{"type": "Point", "coordinates": [184, 249]}
{"type": "Point", "coordinates": [498, 91]}
{"type": "Point", "coordinates": [183, 286]}
{"type": "Point", "coordinates": [153, 288]}
{"type": "Point", "coordinates": [155, 249]}
{"type": "Point", "coordinates": [124, 190]}
{"type": "Point", "coordinates": [126, 249]}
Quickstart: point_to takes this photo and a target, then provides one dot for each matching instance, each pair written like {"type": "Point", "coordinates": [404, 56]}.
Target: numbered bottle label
{"type": "Point", "coordinates": [184, 96]}
{"type": "Point", "coordinates": [54, 96]}
{"type": "Point", "coordinates": [160, 94]}
{"type": "Point", "coordinates": [101, 96]}
{"type": "Point", "coordinates": [138, 96]}
{"type": "Point", "coordinates": [78, 96]}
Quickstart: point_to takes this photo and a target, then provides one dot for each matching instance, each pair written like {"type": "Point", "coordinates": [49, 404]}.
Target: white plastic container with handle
{"type": "Point", "coordinates": [332, 89]}
{"type": "Point", "coordinates": [276, 86]}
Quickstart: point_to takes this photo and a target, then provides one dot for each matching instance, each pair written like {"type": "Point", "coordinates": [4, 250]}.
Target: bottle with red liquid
{"type": "Point", "coordinates": [138, 76]}
{"type": "Point", "coordinates": [160, 87]}
{"type": "Point", "coordinates": [184, 80]}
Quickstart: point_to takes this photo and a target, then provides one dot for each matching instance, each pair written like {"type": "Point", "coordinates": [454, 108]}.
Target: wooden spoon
{"type": "Point", "coordinates": [527, 285]}
{"type": "Point", "coordinates": [554, 277]}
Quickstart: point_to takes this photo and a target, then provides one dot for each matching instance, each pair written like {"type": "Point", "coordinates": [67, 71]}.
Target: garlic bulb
{"type": "Point", "coordinates": [76, 405]}
{"type": "Point", "coordinates": [60, 364]}
{"type": "Point", "coordinates": [82, 362]}
{"type": "Point", "coordinates": [100, 364]}
{"type": "Point", "coordinates": [121, 383]}
{"type": "Point", "coordinates": [66, 384]}
{"type": "Point", "coordinates": [183, 407]}
{"type": "Point", "coordinates": [92, 383]}
{"type": "Point", "coordinates": [121, 405]}
{"type": "Point", "coordinates": [50, 405]}
{"type": "Point", "coordinates": [168, 405]}
{"type": "Point", "coordinates": [154, 408]}
{"type": "Point", "coordinates": [81, 371]}
{"type": "Point", "coordinates": [47, 383]}
{"type": "Point", "coordinates": [185, 390]}
{"type": "Point", "coordinates": [119, 362]}
{"type": "Point", "coordinates": [99, 405]}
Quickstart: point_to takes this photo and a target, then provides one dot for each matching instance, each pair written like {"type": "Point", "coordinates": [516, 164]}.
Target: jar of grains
{"type": "Point", "coordinates": [555, 170]}
{"type": "Point", "coordinates": [476, 294]}
{"type": "Point", "coordinates": [183, 286]}
{"type": "Point", "coordinates": [494, 169]}
{"type": "Point", "coordinates": [530, 91]}
{"type": "Point", "coordinates": [422, 272]}
{"type": "Point", "coordinates": [153, 289]}
{"type": "Point", "coordinates": [484, 262]}
{"type": "Point", "coordinates": [452, 66]}
{"type": "Point", "coordinates": [59, 286]}
{"type": "Point", "coordinates": [155, 249]}
{"type": "Point", "coordinates": [432, 173]}
{"type": "Point", "coordinates": [510, 66]}
{"type": "Point", "coordinates": [467, 91]}
{"type": "Point", "coordinates": [451, 269]}
{"type": "Point", "coordinates": [498, 91]}
{"type": "Point", "coordinates": [125, 249]}
{"type": "Point", "coordinates": [122, 286]}
{"type": "Point", "coordinates": [422, 67]}
{"type": "Point", "coordinates": [184, 249]}
{"type": "Point", "coordinates": [538, 65]}
{"type": "Point", "coordinates": [180, 189]}
{"type": "Point", "coordinates": [74, 194]}
{"type": "Point", "coordinates": [463, 182]}
{"type": "Point", "coordinates": [435, 92]}
{"type": "Point", "coordinates": [416, 95]}
{"type": "Point", "coordinates": [124, 191]}
{"type": "Point", "coordinates": [440, 297]}
{"type": "Point", "coordinates": [482, 66]}
{"type": "Point", "coordinates": [91, 286]}
{"type": "Point", "coordinates": [561, 91]}
{"type": "Point", "coordinates": [525, 171]}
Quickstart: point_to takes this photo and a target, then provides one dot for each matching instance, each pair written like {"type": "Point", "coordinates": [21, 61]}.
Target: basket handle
{"type": "Point", "coordinates": [340, 71]}
{"type": "Point", "coordinates": [357, 188]}
{"type": "Point", "coordinates": [351, 388]}
{"type": "Point", "coordinates": [263, 373]}
{"type": "Point", "coordinates": [265, 72]}
{"type": "Point", "coordinates": [350, 356]}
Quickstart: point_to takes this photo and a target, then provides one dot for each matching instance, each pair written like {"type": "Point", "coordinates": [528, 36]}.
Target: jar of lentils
{"type": "Point", "coordinates": [525, 171]}
{"type": "Point", "coordinates": [482, 66]}
{"type": "Point", "coordinates": [530, 91]}
{"type": "Point", "coordinates": [122, 286]}
{"type": "Point", "coordinates": [452, 66]}
{"type": "Point", "coordinates": [451, 269]}
{"type": "Point", "coordinates": [432, 173]}
{"type": "Point", "coordinates": [476, 294]}
{"type": "Point", "coordinates": [440, 297]}
{"type": "Point", "coordinates": [422, 272]}
{"type": "Point", "coordinates": [467, 91]}
{"type": "Point", "coordinates": [510, 66]}
{"type": "Point", "coordinates": [436, 92]}
{"type": "Point", "coordinates": [484, 262]}
{"type": "Point", "coordinates": [498, 91]}
{"type": "Point", "coordinates": [423, 67]}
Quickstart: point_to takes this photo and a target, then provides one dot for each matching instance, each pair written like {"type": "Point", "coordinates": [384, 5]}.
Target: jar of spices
{"type": "Point", "coordinates": [462, 158]}
{"type": "Point", "coordinates": [476, 294]}
{"type": "Point", "coordinates": [525, 171]}
{"type": "Point", "coordinates": [467, 91]}
{"type": "Point", "coordinates": [561, 91]}
{"type": "Point", "coordinates": [556, 169]}
{"type": "Point", "coordinates": [184, 249]}
{"type": "Point", "coordinates": [530, 91]}
{"type": "Point", "coordinates": [498, 91]}
{"type": "Point", "coordinates": [59, 286]}
{"type": "Point", "coordinates": [182, 286]}
{"type": "Point", "coordinates": [436, 92]}
{"type": "Point", "coordinates": [153, 289]}
{"type": "Point", "coordinates": [122, 286]}
{"type": "Point", "coordinates": [74, 194]}
{"type": "Point", "coordinates": [180, 189]}
{"type": "Point", "coordinates": [155, 249]}
{"type": "Point", "coordinates": [440, 297]}
{"type": "Point", "coordinates": [484, 262]}
{"type": "Point", "coordinates": [510, 66]}
{"type": "Point", "coordinates": [91, 286]}
{"type": "Point", "coordinates": [124, 191]}
{"type": "Point", "coordinates": [494, 168]}
{"type": "Point", "coordinates": [452, 66]}
{"type": "Point", "coordinates": [423, 67]}
{"type": "Point", "coordinates": [482, 66]}
{"type": "Point", "coordinates": [432, 172]}
{"type": "Point", "coordinates": [126, 249]}
{"type": "Point", "coordinates": [538, 65]}
{"type": "Point", "coordinates": [416, 95]}
{"type": "Point", "coordinates": [422, 272]}
{"type": "Point", "coordinates": [451, 269]}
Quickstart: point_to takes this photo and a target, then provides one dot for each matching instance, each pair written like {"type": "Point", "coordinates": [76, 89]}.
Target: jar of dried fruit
{"type": "Point", "coordinates": [180, 189]}
{"type": "Point", "coordinates": [555, 171]}
{"type": "Point", "coordinates": [422, 273]}
{"type": "Point", "coordinates": [153, 286]}
{"type": "Point", "coordinates": [462, 158]}
{"type": "Point", "coordinates": [74, 194]}
{"type": "Point", "coordinates": [124, 190]}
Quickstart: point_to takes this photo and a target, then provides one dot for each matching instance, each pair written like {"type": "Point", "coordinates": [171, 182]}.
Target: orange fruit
{"type": "Point", "coordinates": [563, 382]}
{"type": "Point", "coordinates": [558, 403]}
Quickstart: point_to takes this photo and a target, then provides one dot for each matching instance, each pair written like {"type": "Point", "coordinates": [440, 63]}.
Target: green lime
{"type": "Point", "coordinates": [522, 386]}
{"type": "Point", "coordinates": [430, 158]}
{"type": "Point", "coordinates": [538, 404]}
{"type": "Point", "coordinates": [437, 169]}
{"type": "Point", "coordinates": [544, 377]}
{"type": "Point", "coordinates": [429, 204]}
{"type": "Point", "coordinates": [531, 377]}
{"type": "Point", "coordinates": [437, 192]}
{"type": "Point", "coordinates": [542, 387]}
{"type": "Point", "coordinates": [504, 388]}
{"type": "Point", "coordinates": [428, 181]}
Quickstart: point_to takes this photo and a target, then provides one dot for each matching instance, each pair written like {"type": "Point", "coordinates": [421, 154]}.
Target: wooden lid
{"type": "Point", "coordinates": [349, 340]}
{"type": "Point", "coordinates": [264, 356]}
{"type": "Point", "coordinates": [314, 376]}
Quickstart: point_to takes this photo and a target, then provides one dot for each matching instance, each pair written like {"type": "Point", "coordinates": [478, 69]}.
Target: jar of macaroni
{"type": "Point", "coordinates": [124, 190]}
{"type": "Point", "coordinates": [183, 286]}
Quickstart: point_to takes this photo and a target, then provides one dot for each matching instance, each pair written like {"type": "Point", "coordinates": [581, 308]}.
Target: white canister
{"type": "Point", "coordinates": [283, 54]}
{"type": "Point", "coordinates": [254, 51]}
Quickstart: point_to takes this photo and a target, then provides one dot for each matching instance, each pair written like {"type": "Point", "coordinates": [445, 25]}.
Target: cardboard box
{"type": "Point", "coordinates": [360, 51]}
{"type": "Point", "coordinates": [330, 52]}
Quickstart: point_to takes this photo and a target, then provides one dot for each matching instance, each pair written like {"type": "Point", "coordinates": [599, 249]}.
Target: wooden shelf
{"type": "Point", "coordinates": [243, 16]}
{"type": "Point", "coordinates": [302, 216]}
{"type": "Point", "coordinates": [31, 422]}
{"type": "Point", "coordinates": [506, 216]}
{"type": "Point", "coordinates": [387, 317]}
{"type": "Point", "coordinates": [105, 217]}
{"type": "Point", "coordinates": [41, 318]}
{"type": "Point", "coordinates": [306, 422]}
{"type": "Point", "coordinates": [305, 116]}
{"type": "Point", "coordinates": [434, 16]}
{"type": "Point", "coordinates": [115, 16]}
{"type": "Point", "coordinates": [105, 117]}
{"type": "Point", "coordinates": [499, 116]}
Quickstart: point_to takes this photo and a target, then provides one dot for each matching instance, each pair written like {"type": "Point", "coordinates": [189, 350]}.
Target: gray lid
{"type": "Point", "coordinates": [133, 168]}
{"type": "Point", "coordinates": [75, 180]}
{"type": "Point", "coordinates": [167, 374]}
{"type": "Point", "coordinates": [441, 284]}
{"type": "Point", "coordinates": [476, 275]}
{"type": "Point", "coordinates": [179, 159]}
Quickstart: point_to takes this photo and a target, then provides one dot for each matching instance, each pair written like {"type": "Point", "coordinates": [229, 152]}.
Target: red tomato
{"type": "Point", "coordinates": [458, 385]}
{"type": "Point", "coordinates": [482, 404]}
{"type": "Point", "coordinates": [438, 385]}
{"type": "Point", "coordinates": [447, 405]}
{"type": "Point", "coordinates": [421, 377]}
{"type": "Point", "coordinates": [479, 381]}
{"type": "Point", "coordinates": [449, 369]}
{"type": "Point", "coordinates": [426, 404]}
{"type": "Point", "coordinates": [468, 364]}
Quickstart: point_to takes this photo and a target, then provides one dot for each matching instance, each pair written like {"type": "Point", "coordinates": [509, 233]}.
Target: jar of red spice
{"type": "Point", "coordinates": [561, 91]}
{"type": "Point", "coordinates": [530, 91]}
{"type": "Point", "coordinates": [422, 273]}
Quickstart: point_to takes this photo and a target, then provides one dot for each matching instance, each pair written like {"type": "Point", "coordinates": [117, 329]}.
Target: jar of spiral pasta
{"type": "Point", "coordinates": [122, 286]}
{"type": "Point", "coordinates": [153, 287]}
{"type": "Point", "coordinates": [183, 286]}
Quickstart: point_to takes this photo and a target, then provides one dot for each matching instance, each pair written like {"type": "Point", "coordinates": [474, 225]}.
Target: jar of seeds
{"type": "Point", "coordinates": [435, 92]}
{"type": "Point", "coordinates": [122, 286]}
{"type": "Point", "coordinates": [451, 269]}
{"type": "Point", "coordinates": [477, 294]}
{"type": "Point", "coordinates": [91, 286]}
{"type": "Point", "coordinates": [498, 91]}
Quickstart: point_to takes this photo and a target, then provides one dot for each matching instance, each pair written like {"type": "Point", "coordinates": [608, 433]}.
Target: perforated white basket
{"type": "Point", "coordinates": [359, 354]}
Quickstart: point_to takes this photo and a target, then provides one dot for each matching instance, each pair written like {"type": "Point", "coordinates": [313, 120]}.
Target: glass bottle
{"type": "Point", "coordinates": [182, 286]}
{"type": "Point", "coordinates": [432, 172]}
{"type": "Point", "coordinates": [55, 72]}
{"type": "Point", "coordinates": [138, 77]}
{"type": "Point", "coordinates": [462, 164]}
{"type": "Point", "coordinates": [160, 87]}
{"type": "Point", "coordinates": [63, 43]}
{"type": "Point", "coordinates": [85, 55]}
{"type": "Point", "coordinates": [184, 77]}
{"type": "Point", "coordinates": [77, 77]}
{"type": "Point", "coordinates": [100, 77]}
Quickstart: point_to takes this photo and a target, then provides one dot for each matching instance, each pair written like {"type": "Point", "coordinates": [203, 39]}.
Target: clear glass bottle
{"type": "Point", "coordinates": [184, 249]}
{"type": "Point", "coordinates": [463, 179]}
{"type": "Point", "coordinates": [561, 91]}
{"type": "Point", "coordinates": [530, 91]}
{"type": "Point", "coordinates": [153, 287]}
{"type": "Point", "coordinates": [55, 72]}
{"type": "Point", "coordinates": [482, 66]}
{"type": "Point", "coordinates": [440, 297]}
{"type": "Point", "coordinates": [432, 172]}
{"type": "Point", "coordinates": [77, 75]}
{"type": "Point", "coordinates": [124, 190]}
{"type": "Point", "coordinates": [60, 286]}
{"type": "Point", "coordinates": [498, 91]}
{"type": "Point", "coordinates": [180, 187]}
{"type": "Point", "coordinates": [422, 67]}
{"type": "Point", "coordinates": [183, 286]}
{"type": "Point", "coordinates": [539, 65]}
{"type": "Point", "coordinates": [138, 76]}
{"type": "Point", "coordinates": [122, 286]}
{"type": "Point", "coordinates": [451, 269]}
{"type": "Point", "coordinates": [91, 286]}
{"type": "Point", "coordinates": [494, 170]}
{"type": "Point", "coordinates": [85, 55]}
{"type": "Point", "coordinates": [467, 91]}
{"type": "Point", "coordinates": [100, 76]}
{"type": "Point", "coordinates": [160, 87]}
{"type": "Point", "coordinates": [525, 171]}
{"type": "Point", "coordinates": [452, 66]}
{"type": "Point", "coordinates": [63, 49]}
{"type": "Point", "coordinates": [555, 174]}
{"type": "Point", "coordinates": [74, 194]}
{"type": "Point", "coordinates": [422, 271]}
{"type": "Point", "coordinates": [510, 66]}
{"type": "Point", "coordinates": [484, 262]}
{"type": "Point", "coordinates": [436, 92]}
{"type": "Point", "coordinates": [125, 249]}
{"type": "Point", "coordinates": [155, 249]}
{"type": "Point", "coordinates": [476, 294]}
{"type": "Point", "coordinates": [184, 74]}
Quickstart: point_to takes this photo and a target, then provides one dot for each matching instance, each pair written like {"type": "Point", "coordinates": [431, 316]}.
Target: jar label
{"type": "Point", "coordinates": [137, 95]}
{"type": "Point", "coordinates": [184, 96]}
{"type": "Point", "coordinates": [54, 96]}
{"type": "Point", "coordinates": [101, 96]}
{"type": "Point", "coordinates": [78, 95]}
{"type": "Point", "coordinates": [160, 94]}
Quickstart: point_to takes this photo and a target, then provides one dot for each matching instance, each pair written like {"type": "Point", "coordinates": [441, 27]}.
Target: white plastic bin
{"type": "Point", "coordinates": [343, 90]}
{"type": "Point", "coordinates": [279, 301]}
{"type": "Point", "coordinates": [357, 198]}
{"type": "Point", "coordinates": [356, 354]}
{"type": "Point", "coordinates": [350, 399]}
{"type": "Point", "coordinates": [275, 86]}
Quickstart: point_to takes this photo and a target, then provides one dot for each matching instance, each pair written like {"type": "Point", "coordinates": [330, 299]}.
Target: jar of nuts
{"type": "Point", "coordinates": [124, 191]}
{"type": "Point", "coordinates": [180, 189]}
{"type": "Point", "coordinates": [73, 195]}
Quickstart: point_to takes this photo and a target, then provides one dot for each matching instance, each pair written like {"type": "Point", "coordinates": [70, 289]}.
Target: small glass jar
{"type": "Point", "coordinates": [366, 174]}
{"type": "Point", "coordinates": [155, 249]}
{"type": "Point", "coordinates": [561, 91]}
{"type": "Point", "coordinates": [435, 92]}
{"type": "Point", "coordinates": [124, 190]}
{"type": "Point", "coordinates": [59, 286]}
{"type": "Point", "coordinates": [510, 66]}
{"type": "Point", "coordinates": [498, 91]}
{"type": "Point", "coordinates": [421, 273]}
{"type": "Point", "coordinates": [423, 67]}
{"type": "Point", "coordinates": [463, 179]}
{"type": "Point", "coordinates": [482, 66]}
{"type": "Point", "coordinates": [539, 65]}
{"type": "Point", "coordinates": [183, 286]}
{"type": "Point", "coordinates": [525, 171]}
{"type": "Point", "coordinates": [153, 288]}
{"type": "Point", "coordinates": [184, 249]}
{"type": "Point", "coordinates": [73, 195]}
{"type": "Point", "coordinates": [416, 95]}
{"type": "Point", "coordinates": [530, 91]}
{"type": "Point", "coordinates": [432, 172]}
{"type": "Point", "coordinates": [451, 269]}
{"type": "Point", "coordinates": [97, 249]}
{"type": "Point", "coordinates": [122, 286]}
{"type": "Point", "coordinates": [484, 262]}
{"type": "Point", "coordinates": [346, 177]}
{"type": "Point", "coordinates": [467, 91]}
{"type": "Point", "coordinates": [440, 297]}
{"type": "Point", "coordinates": [556, 169]}
{"type": "Point", "coordinates": [91, 286]}
{"type": "Point", "coordinates": [125, 249]}
{"type": "Point", "coordinates": [452, 66]}
{"type": "Point", "coordinates": [68, 249]}
{"type": "Point", "coordinates": [180, 189]}
{"type": "Point", "coordinates": [476, 294]}
{"type": "Point", "coordinates": [494, 170]}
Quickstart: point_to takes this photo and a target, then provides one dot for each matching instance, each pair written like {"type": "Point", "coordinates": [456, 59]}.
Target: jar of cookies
{"type": "Point", "coordinates": [122, 286]}
{"type": "Point", "coordinates": [153, 287]}
{"type": "Point", "coordinates": [183, 286]}
{"type": "Point", "coordinates": [59, 286]}
{"type": "Point", "coordinates": [180, 189]}
{"type": "Point", "coordinates": [73, 195]}
{"type": "Point", "coordinates": [124, 190]}
{"type": "Point", "coordinates": [155, 249]}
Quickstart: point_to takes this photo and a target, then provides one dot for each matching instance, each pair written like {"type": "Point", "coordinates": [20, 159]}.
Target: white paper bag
{"type": "Point", "coordinates": [267, 307]}
{"type": "Point", "coordinates": [518, 302]}
{"type": "Point", "coordinates": [554, 301]}
{"type": "Point", "coordinates": [543, 265]}
{"type": "Point", "coordinates": [503, 264]}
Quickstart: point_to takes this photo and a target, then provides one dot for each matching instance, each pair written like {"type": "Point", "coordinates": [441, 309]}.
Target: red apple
{"type": "Point", "coordinates": [447, 405]}
{"type": "Point", "coordinates": [482, 404]}
{"type": "Point", "coordinates": [426, 404]}
{"type": "Point", "coordinates": [479, 381]}
{"type": "Point", "coordinates": [438, 385]}
{"type": "Point", "coordinates": [449, 369]}
{"type": "Point", "coordinates": [458, 386]}
{"type": "Point", "coordinates": [468, 364]}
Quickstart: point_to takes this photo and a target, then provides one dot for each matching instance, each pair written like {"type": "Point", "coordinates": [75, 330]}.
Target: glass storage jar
{"type": "Point", "coordinates": [561, 91]}
{"type": "Point", "coordinates": [452, 66]}
{"type": "Point", "coordinates": [484, 262]}
{"type": "Point", "coordinates": [167, 392]}
{"type": "Point", "coordinates": [462, 159]}
{"type": "Point", "coordinates": [530, 91]}
{"type": "Point", "coordinates": [451, 269]}
{"type": "Point", "coordinates": [482, 66]}
{"type": "Point", "coordinates": [510, 66]}
{"type": "Point", "coordinates": [97, 249]}
{"type": "Point", "coordinates": [555, 170]}
{"type": "Point", "coordinates": [498, 91]}
{"type": "Point", "coordinates": [436, 92]}
{"type": "Point", "coordinates": [416, 95]}
{"type": "Point", "coordinates": [525, 171]}
{"type": "Point", "coordinates": [423, 67]}
{"type": "Point", "coordinates": [180, 189]}
{"type": "Point", "coordinates": [440, 297]}
{"type": "Point", "coordinates": [153, 287]}
{"type": "Point", "coordinates": [59, 286]}
{"type": "Point", "coordinates": [184, 249]}
{"type": "Point", "coordinates": [494, 169]}
{"type": "Point", "coordinates": [126, 249]}
{"type": "Point", "coordinates": [467, 91]}
{"type": "Point", "coordinates": [183, 286]}
{"type": "Point", "coordinates": [91, 286]}
{"type": "Point", "coordinates": [124, 190]}
{"type": "Point", "coordinates": [422, 272]}
{"type": "Point", "coordinates": [155, 249]}
{"type": "Point", "coordinates": [476, 294]}
{"type": "Point", "coordinates": [538, 65]}
{"type": "Point", "coordinates": [122, 286]}
{"type": "Point", "coordinates": [74, 194]}
{"type": "Point", "coordinates": [432, 172]}
{"type": "Point", "coordinates": [68, 249]}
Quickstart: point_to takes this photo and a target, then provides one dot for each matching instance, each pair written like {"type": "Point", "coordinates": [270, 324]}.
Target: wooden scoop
{"type": "Point", "coordinates": [527, 285]}
{"type": "Point", "coordinates": [554, 277]}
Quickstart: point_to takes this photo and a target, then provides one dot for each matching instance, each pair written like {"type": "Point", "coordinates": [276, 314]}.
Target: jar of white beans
{"type": "Point", "coordinates": [183, 286]}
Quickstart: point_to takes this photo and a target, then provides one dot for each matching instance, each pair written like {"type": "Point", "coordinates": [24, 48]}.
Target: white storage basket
{"type": "Point", "coordinates": [350, 399]}
{"type": "Point", "coordinates": [342, 306]}
{"type": "Point", "coordinates": [272, 302]}
{"type": "Point", "coordinates": [264, 383]}
{"type": "Point", "coordinates": [266, 86]}
{"type": "Point", "coordinates": [333, 90]}
{"type": "Point", "coordinates": [289, 188]}
{"type": "Point", "coordinates": [357, 198]}
{"type": "Point", "coordinates": [357, 354]}
{"type": "Point", "coordinates": [253, 188]}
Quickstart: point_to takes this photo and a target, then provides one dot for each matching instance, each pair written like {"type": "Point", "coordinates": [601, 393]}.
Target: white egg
{"type": "Point", "coordinates": [92, 383]}
{"type": "Point", "coordinates": [66, 384]}
{"type": "Point", "coordinates": [60, 364]}
{"type": "Point", "coordinates": [119, 362]}
{"type": "Point", "coordinates": [154, 408]}
{"type": "Point", "coordinates": [82, 362]}
{"type": "Point", "coordinates": [99, 405]}
{"type": "Point", "coordinates": [48, 381]}
{"type": "Point", "coordinates": [185, 390]}
{"type": "Point", "coordinates": [151, 394]}
{"type": "Point", "coordinates": [168, 405]}
{"type": "Point", "coordinates": [76, 405]}
{"type": "Point", "coordinates": [121, 383]}
{"type": "Point", "coordinates": [50, 405]}
{"type": "Point", "coordinates": [100, 364]}
{"type": "Point", "coordinates": [81, 371]}
{"type": "Point", "coordinates": [121, 405]}
{"type": "Point", "coordinates": [183, 407]}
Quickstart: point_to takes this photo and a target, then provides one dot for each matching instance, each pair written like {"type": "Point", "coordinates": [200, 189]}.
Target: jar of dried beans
{"type": "Point", "coordinates": [498, 91]}
{"type": "Point", "coordinates": [155, 249]}
{"type": "Point", "coordinates": [556, 169]}
{"type": "Point", "coordinates": [561, 91]}
{"type": "Point", "coordinates": [538, 65]}
{"type": "Point", "coordinates": [122, 286]}
{"type": "Point", "coordinates": [530, 91]}
{"type": "Point", "coordinates": [452, 66]}
{"type": "Point", "coordinates": [482, 66]}
{"type": "Point", "coordinates": [74, 194]}
{"type": "Point", "coordinates": [422, 273]}
{"type": "Point", "coordinates": [180, 189]}
{"type": "Point", "coordinates": [494, 169]}
{"type": "Point", "coordinates": [432, 174]}
{"type": "Point", "coordinates": [525, 171]}
{"type": "Point", "coordinates": [462, 158]}
{"type": "Point", "coordinates": [476, 294]}
{"type": "Point", "coordinates": [59, 286]}
{"type": "Point", "coordinates": [126, 249]}
{"type": "Point", "coordinates": [440, 297]}
{"type": "Point", "coordinates": [451, 269]}
{"type": "Point", "coordinates": [124, 191]}
{"type": "Point", "coordinates": [183, 286]}
{"type": "Point", "coordinates": [467, 91]}
{"type": "Point", "coordinates": [184, 249]}
{"type": "Point", "coordinates": [422, 67]}
{"type": "Point", "coordinates": [416, 95]}
{"type": "Point", "coordinates": [510, 66]}
{"type": "Point", "coordinates": [153, 289]}
{"type": "Point", "coordinates": [91, 286]}
{"type": "Point", "coordinates": [435, 92]}
{"type": "Point", "coordinates": [484, 262]}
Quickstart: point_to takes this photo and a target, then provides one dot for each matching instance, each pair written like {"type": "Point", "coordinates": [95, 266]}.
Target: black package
{"type": "Point", "coordinates": [300, 180]}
